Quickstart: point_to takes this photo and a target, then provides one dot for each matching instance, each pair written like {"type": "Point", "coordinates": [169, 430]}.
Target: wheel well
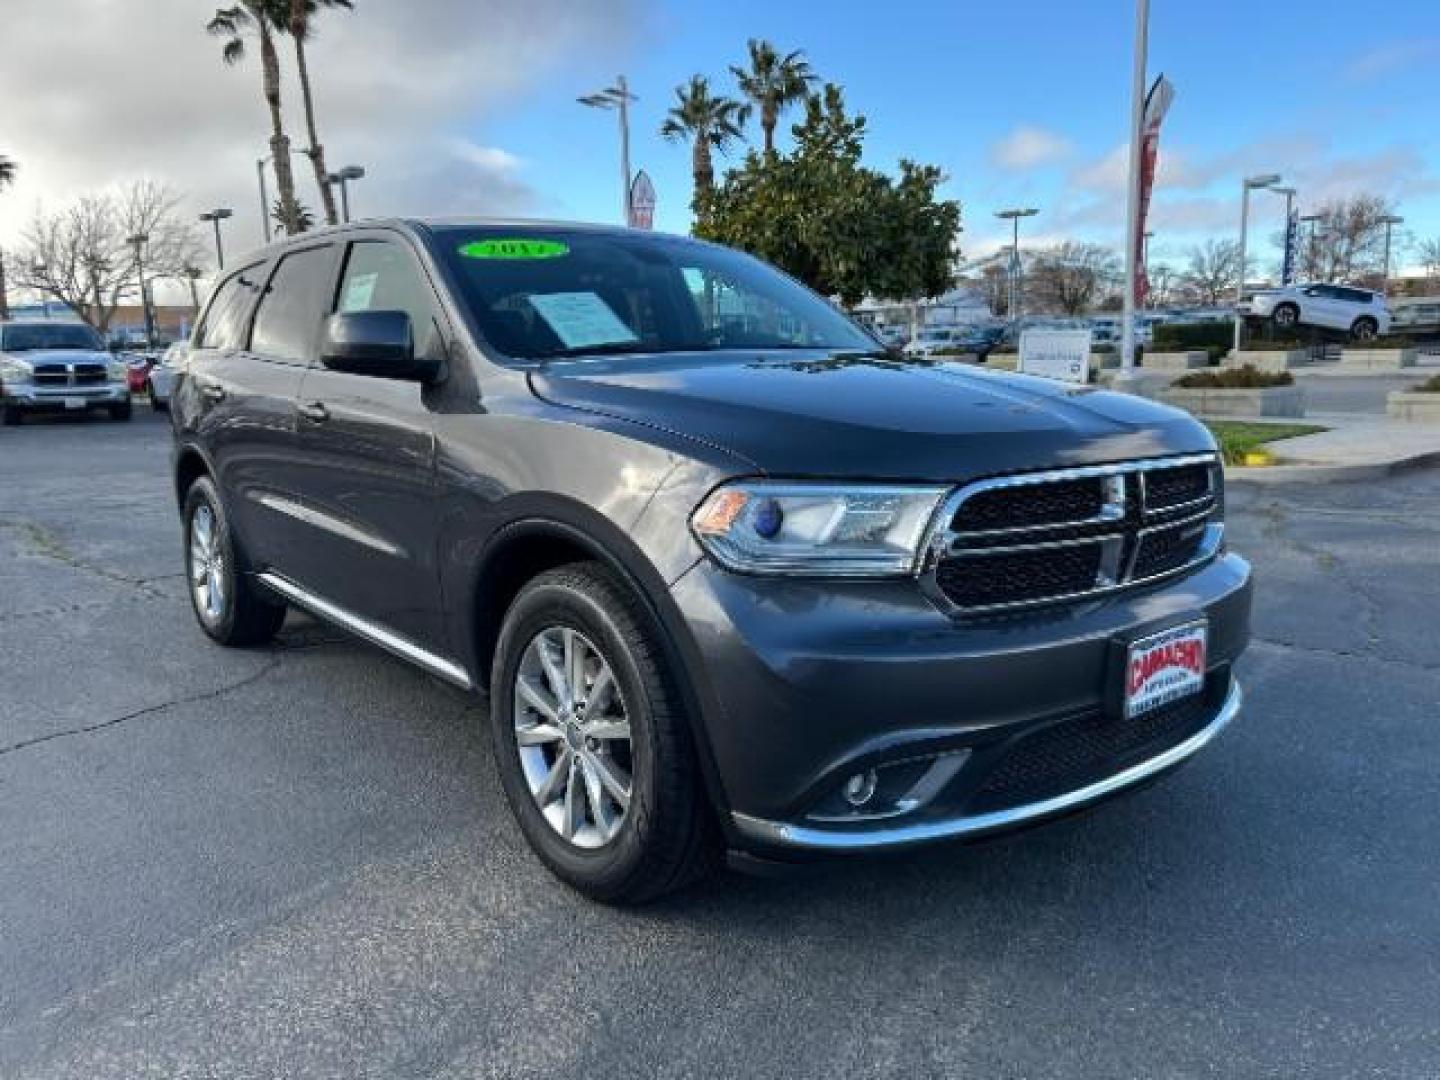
{"type": "Point", "coordinates": [519, 559]}
{"type": "Point", "coordinates": [188, 469]}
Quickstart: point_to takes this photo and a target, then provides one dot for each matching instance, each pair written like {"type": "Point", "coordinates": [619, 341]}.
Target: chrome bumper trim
{"type": "Point", "coordinates": [803, 837]}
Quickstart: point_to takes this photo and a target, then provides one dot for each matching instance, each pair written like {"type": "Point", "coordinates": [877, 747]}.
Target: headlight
{"type": "Point", "coordinates": [14, 371]}
{"type": "Point", "coordinates": [116, 370]}
{"type": "Point", "coordinates": [849, 530]}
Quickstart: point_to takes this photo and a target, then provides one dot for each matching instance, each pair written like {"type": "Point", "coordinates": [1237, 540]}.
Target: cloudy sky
{"type": "Point", "coordinates": [469, 105]}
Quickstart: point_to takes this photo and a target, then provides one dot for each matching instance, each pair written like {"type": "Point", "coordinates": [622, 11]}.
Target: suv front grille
{"type": "Point", "coordinates": [1048, 537]}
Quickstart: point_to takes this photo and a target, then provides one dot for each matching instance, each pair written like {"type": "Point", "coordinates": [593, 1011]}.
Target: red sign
{"type": "Point", "coordinates": [1157, 103]}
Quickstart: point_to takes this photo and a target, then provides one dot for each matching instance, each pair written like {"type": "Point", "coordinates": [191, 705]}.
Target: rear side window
{"type": "Point", "coordinates": [224, 326]}
{"type": "Point", "coordinates": [287, 322]}
{"type": "Point", "coordinates": [1360, 296]}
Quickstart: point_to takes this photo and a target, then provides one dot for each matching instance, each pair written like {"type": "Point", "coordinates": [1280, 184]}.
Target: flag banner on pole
{"type": "Point", "coordinates": [642, 202]}
{"type": "Point", "coordinates": [1292, 241]}
{"type": "Point", "coordinates": [1157, 104]}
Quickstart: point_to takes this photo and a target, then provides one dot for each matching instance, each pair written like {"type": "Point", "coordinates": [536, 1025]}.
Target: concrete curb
{"type": "Point", "coordinates": [1328, 474]}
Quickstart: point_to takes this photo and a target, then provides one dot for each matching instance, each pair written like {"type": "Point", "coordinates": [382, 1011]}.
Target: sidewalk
{"type": "Point", "coordinates": [1357, 447]}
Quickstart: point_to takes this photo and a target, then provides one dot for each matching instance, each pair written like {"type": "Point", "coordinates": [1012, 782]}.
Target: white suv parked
{"type": "Point", "coordinates": [1359, 312]}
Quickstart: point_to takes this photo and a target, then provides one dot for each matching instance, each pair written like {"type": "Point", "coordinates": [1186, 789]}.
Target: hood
{"type": "Point", "coordinates": [821, 415]}
{"type": "Point", "coordinates": [39, 357]}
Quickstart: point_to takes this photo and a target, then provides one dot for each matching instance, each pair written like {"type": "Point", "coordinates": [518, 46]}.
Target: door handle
{"type": "Point", "coordinates": [213, 392]}
{"type": "Point", "coordinates": [315, 412]}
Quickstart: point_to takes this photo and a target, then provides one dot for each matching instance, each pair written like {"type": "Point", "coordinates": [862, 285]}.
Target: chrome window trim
{"type": "Point", "coordinates": [940, 540]}
{"type": "Point", "coordinates": [802, 837]}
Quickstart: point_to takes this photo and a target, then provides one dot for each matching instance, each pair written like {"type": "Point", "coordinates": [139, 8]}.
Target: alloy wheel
{"type": "Point", "coordinates": [572, 731]}
{"type": "Point", "coordinates": [207, 564]}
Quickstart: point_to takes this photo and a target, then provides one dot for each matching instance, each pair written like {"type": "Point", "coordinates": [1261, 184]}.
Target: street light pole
{"type": "Point", "coordinates": [138, 241]}
{"type": "Point", "coordinates": [1013, 216]}
{"type": "Point", "coordinates": [1287, 264]}
{"type": "Point", "coordinates": [1312, 256]}
{"type": "Point", "coordinates": [219, 214]}
{"type": "Point", "coordinates": [348, 173]}
{"type": "Point", "coordinates": [1132, 205]}
{"type": "Point", "coordinates": [264, 197]}
{"type": "Point", "coordinates": [1246, 186]}
{"type": "Point", "coordinates": [1388, 221]}
{"type": "Point", "coordinates": [618, 97]}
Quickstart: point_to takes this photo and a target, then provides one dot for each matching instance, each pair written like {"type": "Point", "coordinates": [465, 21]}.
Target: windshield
{"type": "Point", "coordinates": [541, 293]}
{"type": "Point", "coordinates": [23, 337]}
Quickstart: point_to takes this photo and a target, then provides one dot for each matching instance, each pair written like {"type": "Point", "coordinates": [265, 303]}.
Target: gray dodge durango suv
{"type": "Point", "coordinates": [733, 576]}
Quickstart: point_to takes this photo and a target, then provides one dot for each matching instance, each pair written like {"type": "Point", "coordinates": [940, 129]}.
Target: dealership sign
{"type": "Point", "coordinates": [1056, 354]}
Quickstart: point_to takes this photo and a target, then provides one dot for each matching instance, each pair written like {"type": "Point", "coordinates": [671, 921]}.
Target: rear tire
{"type": "Point", "coordinates": [1364, 329]}
{"type": "Point", "coordinates": [229, 606]}
{"type": "Point", "coordinates": [664, 837]}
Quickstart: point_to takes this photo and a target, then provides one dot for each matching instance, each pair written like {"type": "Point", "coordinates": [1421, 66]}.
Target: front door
{"type": "Point", "coordinates": [367, 452]}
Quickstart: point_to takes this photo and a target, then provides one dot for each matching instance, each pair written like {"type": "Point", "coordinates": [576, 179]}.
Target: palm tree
{"type": "Point", "coordinates": [262, 17]}
{"type": "Point", "coordinates": [294, 219]}
{"type": "Point", "coordinates": [300, 27]}
{"type": "Point", "coordinates": [773, 83]}
{"type": "Point", "coordinates": [711, 123]}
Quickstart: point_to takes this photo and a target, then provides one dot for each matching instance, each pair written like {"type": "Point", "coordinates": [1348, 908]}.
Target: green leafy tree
{"type": "Point", "coordinates": [234, 24]}
{"type": "Point", "coordinates": [709, 123]}
{"type": "Point", "coordinates": [844, 230]}
{"type": "Point", "coordinates": [301, 27]}
{"type": "Point", "coordinates": [772, 83]}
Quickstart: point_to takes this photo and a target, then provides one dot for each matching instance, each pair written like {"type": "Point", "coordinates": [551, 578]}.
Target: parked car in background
{"type": "Point", "coordinates": [160, 380]}
{"type": "Point", "coordinates": [955, 340]}
{"type": "Point", "coordinates": [894, 337]}
{"type": "Point", "coordinates": [59, 367]}
{"type": "Point", "coordinates": [1361, 313]}
{"type": "Point", "coordinates": [1415, 315]}
{"type": "Point", "coordinates": [728, 580]}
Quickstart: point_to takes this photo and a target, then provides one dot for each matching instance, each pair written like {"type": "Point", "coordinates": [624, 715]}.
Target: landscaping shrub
{"type": "Point", "coordinates": [1241, 378]}
{"type": "Point", "coordinates": [1429, 386]}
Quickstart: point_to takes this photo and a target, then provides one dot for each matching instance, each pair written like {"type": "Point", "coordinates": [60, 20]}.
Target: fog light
{"type": "Point", "coordinates": [860, 788]}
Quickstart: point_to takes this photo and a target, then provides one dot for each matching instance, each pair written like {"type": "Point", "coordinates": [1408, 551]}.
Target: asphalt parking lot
{"type": "Point", "coordinates": [296, 861]}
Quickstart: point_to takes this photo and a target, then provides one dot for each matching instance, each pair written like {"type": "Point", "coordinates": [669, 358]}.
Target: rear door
{"type": "Point", "coordinates": [367, 451]}
{"type": "Point", "coordinates": [242, 412]}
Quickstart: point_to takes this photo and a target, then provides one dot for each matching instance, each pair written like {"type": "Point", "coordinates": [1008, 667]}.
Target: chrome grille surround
{"type": "Point", "coordinates": [1125, 524]}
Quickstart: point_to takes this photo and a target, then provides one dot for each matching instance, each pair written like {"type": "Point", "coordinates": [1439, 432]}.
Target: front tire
{"type": "Point", "coordinates": [120, 413]}
{"type": "Point", "coordinates": [1286, 317]}
{"type": "Point", "coordinates": [1365, 329]}
{"type": "Point", "coordinates": [11, 416]}
{"type": "Point", "coordinates": [227, 603]}
{"type": "Point", "coordinates": [592, 743]}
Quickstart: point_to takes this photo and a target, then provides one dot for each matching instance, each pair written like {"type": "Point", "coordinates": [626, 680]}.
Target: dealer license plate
{"type": "Point", "coordinates": [1164, 668]}
{"type": "Point", "coordinates": [75, 403]}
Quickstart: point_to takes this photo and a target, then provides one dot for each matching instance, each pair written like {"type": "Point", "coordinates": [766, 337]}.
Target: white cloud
{"type": "Point", "coordinates": [95, 96]}
{"type": "Point", "coordinates": [1392, 58]}
{"type": "Point", "coordinates": [1029, 148]}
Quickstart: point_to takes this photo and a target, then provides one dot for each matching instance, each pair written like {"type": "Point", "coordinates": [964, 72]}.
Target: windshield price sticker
{"type": "Point", "coordinates": [514, 248]}
{"type": "Point", "coordinates": [582, 319]}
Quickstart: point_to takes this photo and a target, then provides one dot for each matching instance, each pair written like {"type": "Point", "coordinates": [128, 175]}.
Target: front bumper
{"type": "Point", "coordinates": [64, 398]}
{"type": "Point", "coordinates": [810, 683]}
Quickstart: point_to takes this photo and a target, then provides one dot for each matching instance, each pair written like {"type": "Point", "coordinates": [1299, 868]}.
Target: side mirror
{"type": "Point", "coordinates": [376, 343]}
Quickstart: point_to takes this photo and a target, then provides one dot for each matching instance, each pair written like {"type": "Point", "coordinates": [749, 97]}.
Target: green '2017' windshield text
{"type": "Point", "coordinates": [514, 248]}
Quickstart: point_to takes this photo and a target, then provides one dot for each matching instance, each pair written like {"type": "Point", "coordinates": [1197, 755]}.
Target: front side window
{"type": "Point", "coordinates": [548, 293]}
{"type": "Point", "coordinates": [287, 322]}
{"type": "Point", "coordinates": [383, 276]}
{"type": "Point", "coordinates": [29, 337]}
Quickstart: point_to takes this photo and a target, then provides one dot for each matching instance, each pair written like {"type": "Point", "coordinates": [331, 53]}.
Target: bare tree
{"type": "Point", "coordinates": [1347, 243]}
{"type": "Point", "coordinates": [993, 283]}
{"type": "Point", "coordinates": [82, 255]}
{"type": "Point", "coordinates": [1164, 285]}
{"type": "Point", "coordinates": [1428, 252]}
{"type": "Point", "coordinates": [1211, 269]}
{"type": "Point", "coordinates": [1071, 278]}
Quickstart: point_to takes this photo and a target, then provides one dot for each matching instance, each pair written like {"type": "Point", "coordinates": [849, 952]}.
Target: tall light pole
{"type": "Point", "coordinates": [1014, 216]}
{"type": "Point", "coordinates": [1287, 265]}
{"type": "Point", "coordinates": [1389, 221]}
{"type": "Point", "coordinates": [1249, 184]}
{"type": "Point", "coordinates": [618, 97]}
{"type": "Point", "coordinates": [264, 197]}
{"type": "Point", "coordinates": [1132, 203]}
{"type": "Point", "coordinates": [343, 177]}
{"type": "Point", "coordinates": [138, 241]}
{"type": "Point", "coordinates": [219, 214]}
